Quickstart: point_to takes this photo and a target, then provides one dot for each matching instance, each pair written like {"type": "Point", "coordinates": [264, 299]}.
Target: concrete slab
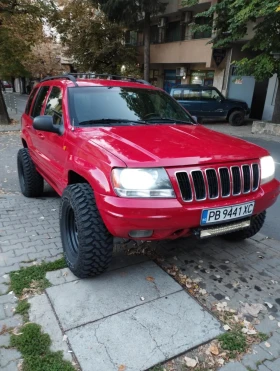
{"type": "Point", "coordinates": [41, 313]}
{"type": "Point", "coordinates": [77, 303]}
{"type": "Point", "coordinates": [141, 337]}
{"type": "Point", "coordinates": [120, 260]}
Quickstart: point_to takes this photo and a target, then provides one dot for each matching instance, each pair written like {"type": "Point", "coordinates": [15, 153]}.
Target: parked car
{"type": "Point", "coordinates": [129, 161]}
{"type": "Point", "coordinates": [207, 103]}
{"type": "Point", "coordinates": [6, 85]}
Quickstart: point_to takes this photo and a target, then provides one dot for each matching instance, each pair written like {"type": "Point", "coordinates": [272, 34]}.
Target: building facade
{"type": "Point", "coordinates": [180, 56]}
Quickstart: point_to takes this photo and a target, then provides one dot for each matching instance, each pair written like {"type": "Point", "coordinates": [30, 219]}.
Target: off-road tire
{"type": "Point", "coordinates": [236, 118]}
{"type": "Point", "coordinates": [88, 248]}
{"type": "Point", "coordinates": [30, 181]}
{"type": "Point", "coordinates": [256, 224]}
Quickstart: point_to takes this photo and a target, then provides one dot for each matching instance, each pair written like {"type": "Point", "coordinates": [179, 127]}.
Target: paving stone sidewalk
{"type": "Point", "coordinates": [246, 272]}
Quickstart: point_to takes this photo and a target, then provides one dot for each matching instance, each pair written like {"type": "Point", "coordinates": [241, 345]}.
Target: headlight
{"type": "Point", "coordinates": [151, 183]}
{"type": "Point", "coordinates": [267, 169]}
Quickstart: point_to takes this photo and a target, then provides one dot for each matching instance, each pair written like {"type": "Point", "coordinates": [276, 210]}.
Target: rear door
{"type": "Point", "coordinates": [191, 100]}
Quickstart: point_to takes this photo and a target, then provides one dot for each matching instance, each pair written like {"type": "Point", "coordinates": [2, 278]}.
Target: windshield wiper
{"type": "Point", "coordinates": [163, 119]}
{"type": "Point", "coordinates": [111, 121]}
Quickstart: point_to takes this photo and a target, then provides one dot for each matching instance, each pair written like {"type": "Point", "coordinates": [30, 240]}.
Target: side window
{"type": "Point", "coordinates": [54, 105]}
{"type": "Point", "coordinates": [36, 110]}
{"type": "Point", "coordinates": [191, 94]}
{"type": "Point", "coordinates": [177, 94]}
{"type": "Point", "coordinates": [210, 94]}
{"type": "Point", "coordinates": [30, 100]}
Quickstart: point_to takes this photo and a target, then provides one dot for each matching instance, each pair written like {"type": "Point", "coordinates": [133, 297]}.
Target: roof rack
{"type": "Point", "coordinates": [73, 77]}
{"type": "Point", "coordinates": [68, 77]}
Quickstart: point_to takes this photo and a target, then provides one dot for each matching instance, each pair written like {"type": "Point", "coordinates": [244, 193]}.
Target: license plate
{"type": "Point", "coordinates": [223, 214]}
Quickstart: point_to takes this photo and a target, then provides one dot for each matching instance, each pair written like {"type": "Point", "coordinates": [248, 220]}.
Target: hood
{"type": "Point", "coordinates": [236, 101]}
{"type": "Point", "coordinates": [170, 145]}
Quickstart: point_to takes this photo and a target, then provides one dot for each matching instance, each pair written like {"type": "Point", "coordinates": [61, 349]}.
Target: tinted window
{"type": "Point", "coordinates": [177, 93]}
{"type": "Point", "coordinates": [97, 103]}
{"type": "Point", "coordinates": [210, 94]}
{"type": "Point", "coordinates": [54, 105]}
{"type": "Point", "coordinates": [191, 94]}
{"type": "Point", "coordinates": [36, 110]}
{"type": "Point", "coordinates": [30, 100]}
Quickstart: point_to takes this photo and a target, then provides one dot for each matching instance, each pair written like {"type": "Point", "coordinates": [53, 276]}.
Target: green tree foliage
{"type": "Point", "coordinates": [92, 41]}
{"type": "Point", "coordinates": [20, 28]}
{"type": "Point", "coordinates": [229, 20]}
{"type": "Point", "coordinates": [130, 13]}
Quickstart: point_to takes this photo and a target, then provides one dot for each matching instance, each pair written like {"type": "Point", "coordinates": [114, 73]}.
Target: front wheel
{"type": "Point", "coordinates": [87, 244]}
{"type": "Point", "coordinates": [236, 118]}
{"type": "Point", "coordinates": [256, 225]}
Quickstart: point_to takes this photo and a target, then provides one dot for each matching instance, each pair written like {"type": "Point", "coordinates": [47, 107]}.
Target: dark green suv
{"type": "Point", "coordinates": [207, 103]}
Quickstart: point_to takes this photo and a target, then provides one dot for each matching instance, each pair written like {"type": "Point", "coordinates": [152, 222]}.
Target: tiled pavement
{"type": "Point", "coordinates": [246, 272]}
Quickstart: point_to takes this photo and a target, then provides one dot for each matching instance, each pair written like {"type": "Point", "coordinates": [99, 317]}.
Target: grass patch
{"type": "Point", "coordinates": [262, 336]}
{"type": "Point", "coordinates": [25, 277]}
{"type": "Point", "coordinates": [157, 368]}
{"type": "Point", "coordinates": [234, 342]}
{"type": "Point", "coordinates": [22, 308]}
{"type": "Point", "coordinates": [35, 349]}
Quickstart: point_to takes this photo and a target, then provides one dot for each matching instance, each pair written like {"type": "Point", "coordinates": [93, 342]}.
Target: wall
{"type": "Point", "coordinates": [270, 98]}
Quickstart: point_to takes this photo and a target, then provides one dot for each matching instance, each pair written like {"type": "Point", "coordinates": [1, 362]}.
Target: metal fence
{"type": "Point", "coordinates": [10, 101]}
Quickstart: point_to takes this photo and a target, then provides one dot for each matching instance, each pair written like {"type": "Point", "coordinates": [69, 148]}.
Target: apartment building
{"type": "Point", "coordinates": [180, 56]}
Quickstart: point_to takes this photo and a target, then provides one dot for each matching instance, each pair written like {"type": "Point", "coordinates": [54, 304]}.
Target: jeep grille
{"type": "Point", "coordinates": [221, 182]}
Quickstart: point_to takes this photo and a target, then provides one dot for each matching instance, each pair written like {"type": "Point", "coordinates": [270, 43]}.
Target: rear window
{"type": "Point", "coordinates": [176, 93]}
{"type": "Point", "coordinates": [191, 94]}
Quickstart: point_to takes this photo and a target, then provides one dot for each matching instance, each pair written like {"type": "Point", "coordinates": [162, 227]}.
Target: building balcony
{"type": "Point", "coordinates": [181, 52]}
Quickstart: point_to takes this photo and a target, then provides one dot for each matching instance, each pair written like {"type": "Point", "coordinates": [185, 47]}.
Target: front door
{"type": "Point", "coordinates": [54, 155]}
{"type": "Point", "coordinates": [212, 104]}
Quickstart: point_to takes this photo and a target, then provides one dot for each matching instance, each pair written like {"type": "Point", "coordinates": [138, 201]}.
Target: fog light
{"type": "Point", "coordinates": [140, 234]}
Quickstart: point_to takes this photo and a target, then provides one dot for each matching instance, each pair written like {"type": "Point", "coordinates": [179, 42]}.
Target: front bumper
{"type": "Point", "coordinates": [170, 218]}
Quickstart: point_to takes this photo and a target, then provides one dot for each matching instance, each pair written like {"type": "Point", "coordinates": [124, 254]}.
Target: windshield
{"type": "Point", "coordinates": [114, 106]}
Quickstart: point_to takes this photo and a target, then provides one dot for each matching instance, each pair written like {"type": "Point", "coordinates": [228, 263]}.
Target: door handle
{"type": "Point", "coordinates": [41, 136]}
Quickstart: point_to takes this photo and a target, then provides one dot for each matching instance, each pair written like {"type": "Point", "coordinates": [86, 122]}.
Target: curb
{"type": "Point", "coordinates": [263, 127]}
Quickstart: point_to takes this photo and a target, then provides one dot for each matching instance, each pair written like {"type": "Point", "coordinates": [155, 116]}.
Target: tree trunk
{"type": "Point", "coordinates": [147, 42]}
{"type": "Point", "coordinates": [276, 113]}
{"type": "Point", "coordinates": [23, 85]}
{"type": "Point", "coordinates": [4, 117]}
{"type": "Point", "coordinates": [13, 84]}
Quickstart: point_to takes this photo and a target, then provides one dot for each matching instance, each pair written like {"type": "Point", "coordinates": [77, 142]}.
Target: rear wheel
{"type": "Point", "coordinates": [31, 182]}
{"type": "Point", "coordinates": [236, 118]}
{"type": "Point", "coordinates": [256, 224]}
{"type": "Point", "coordinates": [87, 244]}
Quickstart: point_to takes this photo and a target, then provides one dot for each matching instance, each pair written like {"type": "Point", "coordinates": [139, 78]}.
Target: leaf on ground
{"type": "Point", "coordinates": [214, 349]}
{"type": "Point", "coordinates": [190, 362]}
{"type": "Point", "coordinates": [227, 328]}
{"type": "Point", "coordinates": [122, 368]}
{"type": "Point", "coordinates": [150, 279]}
{"type": "Point", "coordinates": [271, 318]}
{"type": "Point", "coordinates": [267, 344]}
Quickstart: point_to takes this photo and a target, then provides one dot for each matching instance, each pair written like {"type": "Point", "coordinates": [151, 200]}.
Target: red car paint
{"type": "Point", "coordinates": [93, 152]}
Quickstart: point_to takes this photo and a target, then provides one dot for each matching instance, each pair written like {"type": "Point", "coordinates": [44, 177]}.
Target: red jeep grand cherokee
{"type": "Point", "coordinates": [130, 162]}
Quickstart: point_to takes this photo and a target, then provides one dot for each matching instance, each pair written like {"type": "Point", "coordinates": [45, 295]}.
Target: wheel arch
{"type": "Point", "coordinates": [233, 110]}
{"type": "Point", "coordinates": [24, 143]}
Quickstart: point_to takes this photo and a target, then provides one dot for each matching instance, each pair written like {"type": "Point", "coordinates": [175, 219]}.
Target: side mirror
{"type": "Point", "coordinates": [195, 119]}
{"type": "Point", "coordinates": [46, 123]}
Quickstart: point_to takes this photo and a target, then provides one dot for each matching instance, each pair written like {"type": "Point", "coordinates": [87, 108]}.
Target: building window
{"type": "Point", "coordinates": [205, 78]}
{"type": "Point", "coordinates": [205, 34]}
{"type": "Point", "coordinates": [173, 32]}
